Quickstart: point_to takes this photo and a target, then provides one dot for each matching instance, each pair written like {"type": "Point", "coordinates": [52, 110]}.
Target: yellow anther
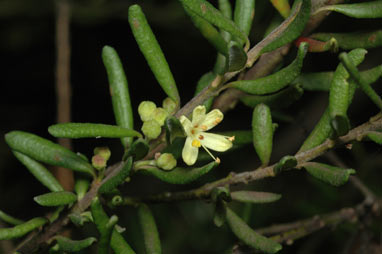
{"type": "Point", "coordinates": [217, 160]}
{"type": "Point", "coordinates": [204, 127]}
{"type": "Point", "coordinates": [231, 138]}
{"type": "Point", "coordinates": [196, 143]}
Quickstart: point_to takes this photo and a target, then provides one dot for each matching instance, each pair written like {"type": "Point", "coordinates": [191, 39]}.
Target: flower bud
{"type": "Point", "coordinates": [160, 115]}
{"type": "Point", "coordinates": [166, 161]}
{"type": "Point", "coordinates": [169, 105]}
{"type": "Point", "coordinates": [98, 162]}
{"type": "Point", "coordinates": [103, 151]}
{"type": "Point", "coordinates": [151, 129]}
{"type": "Point", "coordinates": [146, 109]}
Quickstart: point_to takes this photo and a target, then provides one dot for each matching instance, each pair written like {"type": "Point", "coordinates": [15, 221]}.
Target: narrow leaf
{"type": "Point", "coordinates": [149, 229]}
{"type": "Point", "coordinates": [359, 10]}
{"type": "Point", "coordinates": [237, 57]}
{"type": "Point", "coordinates": [315, 81]}
{"type": "Point", "coordinates": [57, 198]}
{"type": "Point", "coordinates": [21, 229]}
{"type": "Point", "coordinates": [46, 151]}
{"type": "Point", "coordinates": [10, 219]}
{"type": "Point", "coordinates": [375, 136]}
{"type": "Point", "coordinates": [119, 91]}
{"type": "Point", "coordinates": [220, 213]}
{"type": "Point", "coordinates": [249, 236]}
{"type": "Point", "coordinates": [90, 130]}
{"type": "Point", "coordinates": [262, 131]}
{"type": "Point", "coordinates": [204, 82]}
{"type": "Point", "coordinates": [329, 174]}
{"type": "Point", "coordinates": [209, 32]}
{"type": "Point", "coordinates": [117, 242]}
{"type": "Point", "coordinates": [255, 197]}
{"type": "Point", "coordinates": [179, 175]}
{"type": "Point", "coordinates": [282, 99]}
{"type": "Point", "coordinates": [276, 81]}
{"type": "Point", "coordinates": [118, 178]}
{"type": "Point", "coordinates": [282, 6]}
{"type": "Point", "coordinates": [339, 99]}
{"type": "Point", "coordinates": [40, 172]}
{"type": "Point", "coordinates": [138, 149]}
{"type": "Point", "coordinates": [353, 40]}
{"type": "Point", "coordinates": [319, 46]}
{"type": "Point", "coordinates": [365, 86]}
{"type": "Point", "coordinates": [285, 33]}
{"type": "Point", "coordinates": [152, 52]}
{"type": "Point", "coordinates": [215, 17]}
{"type": "Point", "coordinates": [244, 14]}
{"type": "Point", "coordinates": [73, 246]}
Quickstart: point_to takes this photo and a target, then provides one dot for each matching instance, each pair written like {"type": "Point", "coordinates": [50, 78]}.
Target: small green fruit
{"type": "Point", "coordinates": [103, 151]}
{"type": "Point", "coordinates": [151, 129]}
{"type": "Point", "coordinates": [169, 105]}
{"type": "Point", "coordinates": [146, 109]}
{"type": "Point", "coordinates": [166, 161]}
{"type": "Point", "coordinates": [160, 115]}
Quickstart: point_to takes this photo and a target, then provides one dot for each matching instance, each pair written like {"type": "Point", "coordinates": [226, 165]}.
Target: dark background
{"type": "Point", "coordinates": [28, 103]}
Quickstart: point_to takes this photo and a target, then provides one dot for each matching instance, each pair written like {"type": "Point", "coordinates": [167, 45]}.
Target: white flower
{"type": "Point", "coordinates": [197, 135]}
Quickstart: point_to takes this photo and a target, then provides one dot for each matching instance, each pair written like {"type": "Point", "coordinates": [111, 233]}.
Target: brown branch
{"type": "Point", "coordinates": [63, 89]}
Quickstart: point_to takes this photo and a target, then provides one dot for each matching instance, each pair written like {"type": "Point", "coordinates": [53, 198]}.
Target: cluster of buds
{"type": "Point", "coordinates": [153, 117]}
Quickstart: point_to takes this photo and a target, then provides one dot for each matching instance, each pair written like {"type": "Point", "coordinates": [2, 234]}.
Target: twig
{"type": "Point", "coordinates": [63, 89]}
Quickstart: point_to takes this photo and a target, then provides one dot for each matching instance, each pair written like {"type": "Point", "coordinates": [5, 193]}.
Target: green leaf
{"type": "Point", "coordinates": [282, 6]}
{"type": "Point", "coordinates": [237, 57]}
{"type": "Point", "coordinates": [174, 129]}
{"type": "Point", "coordinates": [39, 171]}
{"type": "Point", "coordinates": [255, 197]}
{"type": "Point", "coordinates": [220, 213]}
{"type": "Point", "coordinates": [138, 149]}
{"type": "Point", "coordinates": [119, 91]}
{"type": "Point", "coordinates": [149, 229]}
{"type": "Point", "coordinates": [244, 14]}
{"type": "Point", "coordinates": [179, 175]}
{"type": "Point", "coordinates": [286, 162]}
{"type": "Point", "coordinates": [81, 186]}
{"type": "Point", "coordinates": [21, 229]}
{"type": "Point", "coordinates": [249, 236]}
{"type": "Point", "coordinates": [152, 52]}
{"type": "Point", "coordinates": [375, 136]}
{"type": "Point", "coordinates": [117, 242]}
{"type": "Point", "coordinates": [322, 130]}
{"type": "Point", "coordinates": [204, 82]}
{"type": "Point", "coordinates": [339, 94]}
{"type": "Point", "coordinates": [117, 178]}
{"type": "Point", "coordinates": [276, 81]}
{"type": "Point", "coordinates": [57, 198]}
{"type": "Point", "coordinates": [207, 11]}
{"type": "Point", "coordinates": [285, 33]}
{"type": "Point", "coordinates": [10, 219]}
{"type": "Point", "coordinates": [353, 40]}
{"type": "Point", "coordinates": [365, 86]}
{"type": "Point", "coordinates": [316, 81]}
{"type": "Point", "coordinates": [359, 10]}
{"type": "Point", "coordinates": [329, 174]}
{"type": "Point", "coordinates": [73, 246]}
{"type": "Point", "coordinates": [209, 32]}
{"type": "Point", "coordinates": [262, 131]}
{"type": "Point", "coordinates": [46, 151]}
{"type": "Point", "coordinates": [90, 130]}
{"type": "Point", "coordinates": [282, 99]}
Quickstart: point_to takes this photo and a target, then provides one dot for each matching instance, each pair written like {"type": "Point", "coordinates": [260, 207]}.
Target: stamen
{"type": "Point", "coordinates": [231, 138]}
{"type": "Point", "coordinates": [204, 127]}
{"type": "Point", "coordinates": [192, 131]}
{"type": "Point", "coordinates": [217, 160]}
{"type": "Point", "coordinates": [201, 137]}
{"type": "Point", "coordinates": [208, 151]}
{"type": "Point", "coordinates": [217, 121]}
{"type": "Point", "coordinates": [196, 143]}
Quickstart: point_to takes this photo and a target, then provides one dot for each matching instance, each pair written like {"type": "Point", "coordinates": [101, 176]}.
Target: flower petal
{"type": "Point", "coordinates": [212, 119]}
{"type": "Point", "coordinates": [198, 115]}
{"type": "Point", "coordinates": [215, 142]}
{"type": "Point", "coordinates": [189, 152]}
{"type": "Point", "coordinates": [187, 126]}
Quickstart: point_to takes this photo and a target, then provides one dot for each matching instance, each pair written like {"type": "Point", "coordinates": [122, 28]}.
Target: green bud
{"type": "Point", "coordinates": [169, 105]}
{"type": "Point", "coordinates": [151, 129]}
{"type": "Point", "coordinates": [98, 162]}
{"type": "Point", "coordinates": [103, 151]}
{"type": "Point", "coordinates": [160, 115]}
{"type": "Point", "coordinates": [166, 161]}
{"type": "Point", "coordinates": [146, 109]}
